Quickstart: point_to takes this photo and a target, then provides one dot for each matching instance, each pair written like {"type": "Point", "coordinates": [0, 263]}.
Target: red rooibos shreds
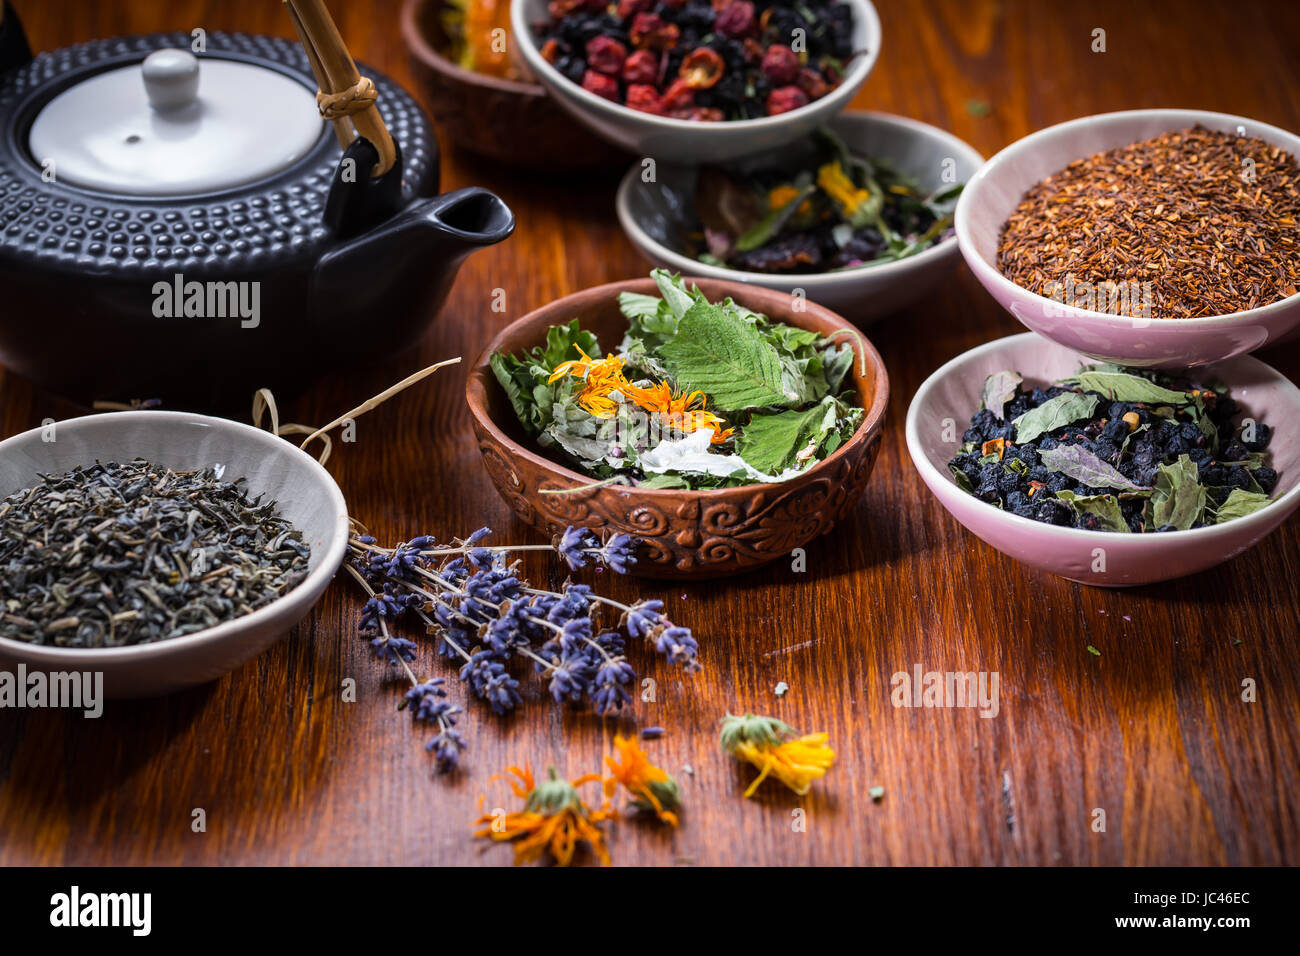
{"type": "Point", "coordinates": [1207, 218]}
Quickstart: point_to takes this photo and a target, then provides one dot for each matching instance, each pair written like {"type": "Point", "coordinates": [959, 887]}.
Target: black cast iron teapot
{"type": "Point", "coordinates": [177, 222]}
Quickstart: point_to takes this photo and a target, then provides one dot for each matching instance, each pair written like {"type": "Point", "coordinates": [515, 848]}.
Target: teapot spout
{"type": "Point", "coordinates": [473, 217]}
{"type": "Point", "coordinates": [390, 281]}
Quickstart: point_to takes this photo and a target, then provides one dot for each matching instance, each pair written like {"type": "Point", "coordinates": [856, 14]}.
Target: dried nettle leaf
{"type": "Point", "coordinates": [1064, 409]}
{"type": "Point", "coordinates": [727, 358]}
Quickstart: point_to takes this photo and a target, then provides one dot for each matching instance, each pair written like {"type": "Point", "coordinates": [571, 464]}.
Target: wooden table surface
{"type": "Point", "coordinates": [1154, 730]}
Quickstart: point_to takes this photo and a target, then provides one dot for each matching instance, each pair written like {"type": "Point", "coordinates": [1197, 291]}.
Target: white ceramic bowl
{"type": "Point", "coordinates": [306, 494]}
{"type": "Point", "coordinates": [998, 188]}
{"type": "Point", "coordinates": [685, 141]}
{"type": "Point", "coordinates": [946, 400]}
{"type": "Point", "coordinates": [656, 216]}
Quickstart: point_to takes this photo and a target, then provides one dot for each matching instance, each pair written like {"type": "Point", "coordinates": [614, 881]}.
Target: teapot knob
{"type": "Point", "coordinates": [171, 79]}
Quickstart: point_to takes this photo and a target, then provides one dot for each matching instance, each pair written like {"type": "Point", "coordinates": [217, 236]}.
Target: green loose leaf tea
{"type": "Point", "coordinates": [115, 554]}
{"type": "Point", "coordinates": [1115, 449]}
{"type": "Point", "coordinates": [697, 395]}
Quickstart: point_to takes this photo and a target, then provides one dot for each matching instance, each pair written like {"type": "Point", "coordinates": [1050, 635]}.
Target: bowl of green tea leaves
{"type": "Point", "coordinates": [158, 549]}
{"type": "Point", "coordinates": [722, 424]}
{"type": "Point", "coordinates": [859, 216]}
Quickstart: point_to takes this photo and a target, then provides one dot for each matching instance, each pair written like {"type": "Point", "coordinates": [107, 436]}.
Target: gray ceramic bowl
{"type": "Point", "coordinates": [944, 403]}
{"type": "Point", "coordinates": [656, 216]}
{"type": "Point", "coordinates": [307, 497]}
{"type": "Point", "coordinates": [686, 141]}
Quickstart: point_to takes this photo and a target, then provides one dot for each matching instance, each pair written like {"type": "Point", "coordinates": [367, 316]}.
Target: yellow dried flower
{"type": "Point", "coordinates": [776, 750]}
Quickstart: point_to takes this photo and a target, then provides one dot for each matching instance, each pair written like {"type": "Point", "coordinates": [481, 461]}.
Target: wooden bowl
{"type": "Point", "coordinates": [696, 534]}
{"type": "Point", "coordinates": [509, 121]}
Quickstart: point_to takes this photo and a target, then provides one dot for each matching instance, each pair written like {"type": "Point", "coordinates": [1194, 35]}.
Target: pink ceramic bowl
{"type": "Point", "coordinates": [998, 188]}
{"type": "Point", "coordinates": [942, 408]}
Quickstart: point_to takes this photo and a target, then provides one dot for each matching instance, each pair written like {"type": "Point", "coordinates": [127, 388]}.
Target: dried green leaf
{"type": "Point", "coordinates": [1064, 409]}
{"type": "Point", "coordinates": [1075, 461]}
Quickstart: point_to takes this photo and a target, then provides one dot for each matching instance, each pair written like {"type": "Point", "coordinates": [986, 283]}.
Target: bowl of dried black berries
{"type": "Point", "coordinates": [696, 80]}
{"type": "Point", "coordinates": [1108, 475]}
{"type": "Point", "coordinates": [143, 552]}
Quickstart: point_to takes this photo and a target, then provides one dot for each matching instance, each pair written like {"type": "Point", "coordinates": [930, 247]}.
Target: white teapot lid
{"type": "Point", "coordinates": [171, 127]}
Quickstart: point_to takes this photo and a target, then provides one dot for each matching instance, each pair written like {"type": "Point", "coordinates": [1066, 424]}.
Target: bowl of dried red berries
{"type": "Point", "coordinates": [696, 80]}
{"type": "Point", "coordinates": [1104, 474]}
{"type": "Point", "coordinates": [1157, 238]}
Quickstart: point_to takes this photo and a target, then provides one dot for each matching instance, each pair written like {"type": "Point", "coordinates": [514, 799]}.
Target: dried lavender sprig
{"type": "Point", "coordinates": [485, 615]}
{"type": "Point", "coordinates": [448, 743]}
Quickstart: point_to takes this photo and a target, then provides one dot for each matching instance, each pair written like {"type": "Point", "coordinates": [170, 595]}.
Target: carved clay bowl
{"type": "Point", "coordinates": [510, 121]}
{"type": "Point", "coordinates": [696, 534]}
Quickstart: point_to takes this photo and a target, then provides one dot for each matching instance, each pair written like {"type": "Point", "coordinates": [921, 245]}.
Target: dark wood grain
{"type": "Point", "coordinates": [1154, 730]}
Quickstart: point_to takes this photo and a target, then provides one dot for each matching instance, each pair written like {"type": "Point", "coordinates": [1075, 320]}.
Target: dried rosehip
{"type": "Point", "coordinates": [629, 8]}
{"type": "Point", "coordinates": [650, 32]}
{"type": "Point", "coordinates": [702, 68]}
{"type": "Point", "coordinates": [678, 95]}
{"type": "Point", "coordinates": [601, 85]}
{"type": "Point", "coordinates": [783, 99]}
{"type": "Point", "coordinates": [643, 97]}
{"type": "Point", "coordinates": [606, 55]}
{"type": "Point", "coordinates": [780, 64]}
{"type": "Point", "coordinates": [550, 51]}
{"type": "Point", "coordinates": [812, 83]}
{"type": "Point", "coordinates": [753, 51]}
{"type": "Point", "coordinates": [641, 67]}
{"type": "Point", "coordinates": [736, 19]}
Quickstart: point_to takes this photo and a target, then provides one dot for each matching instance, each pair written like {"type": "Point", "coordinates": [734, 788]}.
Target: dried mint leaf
{"type": "Point", "coordinates": [1240, 503]}
{"type": "Point", "coordinates": [1124, 387]}
{"type": "Point", "coordinates": [1178, 498]}
{"type": "Point", "coordinates": [1064, 409]}
{"type": "Point", "coordinates": [1105, 507]}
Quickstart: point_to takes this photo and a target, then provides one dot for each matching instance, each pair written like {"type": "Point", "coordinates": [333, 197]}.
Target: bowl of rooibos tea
{"type": "Point", "coordinates": [157, 549]}
{"type": "Point", "coordinates": [1154, 238]}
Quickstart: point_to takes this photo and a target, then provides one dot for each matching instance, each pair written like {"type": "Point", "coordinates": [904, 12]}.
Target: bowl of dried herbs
{"type": "Point", "coordinates": [1104, 474]}
{"type": "Point", "coordinates": [1155, 238]}
{"type": "Point", "coordinates": [858, 216]}
{"type": "Point", "coordinates": [159, 549]}
{"type": "Point", "coordinates": [723, 425]}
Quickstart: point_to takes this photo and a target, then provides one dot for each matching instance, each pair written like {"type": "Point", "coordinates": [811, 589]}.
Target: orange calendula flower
{"type": "Point", "coordinates": [652, 788]}
{"type": "Point", "coordinates": [776, 750]}
{"type": "Point", "coordinates": [681, 411]}
{"type": "Point", "coordinates": [604, 377]}
{"type": "Point", "coordinates": [554, 818]}
{"type": "Point", "coordinates": [593, 370]}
